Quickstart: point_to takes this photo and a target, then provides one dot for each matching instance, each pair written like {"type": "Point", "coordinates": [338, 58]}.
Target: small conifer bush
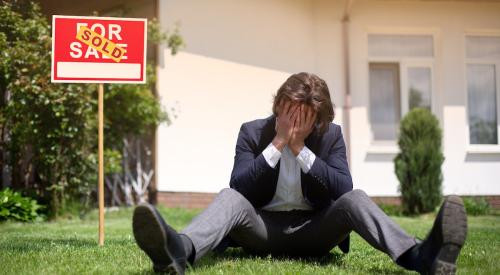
{"type": "Point", "coordinates": [418, 164]}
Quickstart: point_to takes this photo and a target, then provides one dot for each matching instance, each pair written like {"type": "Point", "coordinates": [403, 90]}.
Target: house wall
{"type": "Point", "coordinates": [239, 52]}
{"type": "Point", "coordinates": [465, 171]}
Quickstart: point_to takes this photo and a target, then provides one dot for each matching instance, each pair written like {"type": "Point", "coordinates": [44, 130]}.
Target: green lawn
{"type": "Point", "coordinates": [70, 247]}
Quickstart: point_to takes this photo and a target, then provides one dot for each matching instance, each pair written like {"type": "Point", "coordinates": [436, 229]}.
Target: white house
{"type": "Point", "coordinates": [378, 57]}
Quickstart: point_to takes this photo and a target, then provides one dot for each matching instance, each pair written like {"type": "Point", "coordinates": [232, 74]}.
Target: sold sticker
{"type": "Point", "coordinates": [98, 49]}
{"type": "Point", "coordinates": [100, 43]}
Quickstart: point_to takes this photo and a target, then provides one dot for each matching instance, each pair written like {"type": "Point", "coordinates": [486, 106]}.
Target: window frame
{"type": "Point", "coordinates": [405, 62]}
{"type": "Point", "coordinates": [405, 81]}
{"type": "Point", "coordinates": [481, 148]}
{"type": "Point", "coordinates": [384, 64]}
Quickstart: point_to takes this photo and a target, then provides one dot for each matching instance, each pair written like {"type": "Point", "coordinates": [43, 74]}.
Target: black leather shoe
{"type": "Point", "coordinates": [440, 250]}
{"type": "Point", "coordinates": [160, 242]}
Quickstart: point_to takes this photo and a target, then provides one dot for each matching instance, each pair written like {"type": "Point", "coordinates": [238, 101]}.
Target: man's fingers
{"type": "Point", "coordinates": [299, 116]}
{"type": "Point", "coordinates": [302, 113]}
{"type": "Point", "coordinates": [280, 108]}
{"type": "Point", "coordinates": [286, 107]}
{"type": "Point", "coordinates": [310, 113]}
{"type": "Point", "coordinates": [293, 110]}
{"type": "Point", "coordinates": [295, 115]}
{"type": "Point", "coordinates": [295, 118]}
{"type": "Point", "coordinates": [313, 119]}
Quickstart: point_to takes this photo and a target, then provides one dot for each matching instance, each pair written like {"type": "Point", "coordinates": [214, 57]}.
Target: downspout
{"type": "Point", "coordinates": [346, 121]}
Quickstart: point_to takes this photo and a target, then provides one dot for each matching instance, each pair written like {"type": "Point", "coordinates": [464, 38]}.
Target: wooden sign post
{"type": "Point", "coordinates": [101, 163]}
{"type": "Point", "coordinates": [99, 50]}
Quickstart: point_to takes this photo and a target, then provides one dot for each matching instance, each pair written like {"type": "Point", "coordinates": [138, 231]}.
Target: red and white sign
{"type": "Point", "coordinates": [98, 49]}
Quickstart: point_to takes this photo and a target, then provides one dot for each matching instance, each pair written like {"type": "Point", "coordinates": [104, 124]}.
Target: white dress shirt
{"type": "Point", "coordinates": [288, 195]}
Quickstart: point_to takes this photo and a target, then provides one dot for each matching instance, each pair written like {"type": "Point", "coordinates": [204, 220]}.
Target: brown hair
{"type": "Point", "coordinates": [311, 90]}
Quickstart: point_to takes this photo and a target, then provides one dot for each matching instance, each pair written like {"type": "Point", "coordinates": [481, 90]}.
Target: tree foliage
{"type": "Point", "coordinates": [49, 131]}
{"type": "Point", "coordinates": [418, 165]}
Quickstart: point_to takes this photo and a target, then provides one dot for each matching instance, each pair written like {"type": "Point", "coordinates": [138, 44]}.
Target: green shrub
{"type": "Point", "coordinates": [476, 206]}
{"type": "Point", "coordinates": [13, 206]}
{"type": "Point", "coordinates": [418, 165]}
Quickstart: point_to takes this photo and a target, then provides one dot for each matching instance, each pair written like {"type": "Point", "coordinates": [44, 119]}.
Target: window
{"type": "Point", "coordinates": [419, 87]}
{"type": "Point", "coordinates": [487, 47]}
{"type": "Point", "coordinates": [384, 100]}
{"type": "Point", "coordinates": [481, 94]}
{"type": "Point", "coordinates": [400, 45]}
{"type": "Point", "coordinates": [400, 77]}
{"type": "Point", "coordinates": [483, 61]}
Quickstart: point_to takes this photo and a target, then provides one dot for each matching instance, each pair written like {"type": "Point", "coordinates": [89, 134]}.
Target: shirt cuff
{"type": "Point", "coordinates": [306, 159]}
{"type": "Point", "coordinates": [272, 155]}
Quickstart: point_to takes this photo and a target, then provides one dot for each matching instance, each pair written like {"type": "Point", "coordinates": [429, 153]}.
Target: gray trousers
{"type": "Point", "coordinates": [296, 232]}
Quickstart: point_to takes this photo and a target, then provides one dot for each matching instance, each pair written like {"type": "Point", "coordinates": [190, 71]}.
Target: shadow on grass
{"type": "Point", "coordinates": [232, 254]}
{"type": "Point", "coordinates": [334, 258]}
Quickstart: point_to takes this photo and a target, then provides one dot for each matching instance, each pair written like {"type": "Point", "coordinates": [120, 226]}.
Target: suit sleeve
{"type": "Point", "coordinates": [250, 167]}
{"type": "Point", "coordinates": [332, 174]}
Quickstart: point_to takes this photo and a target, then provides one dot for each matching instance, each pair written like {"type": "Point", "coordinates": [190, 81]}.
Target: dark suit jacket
{"type": "Point", "coordinates": [327, 180]}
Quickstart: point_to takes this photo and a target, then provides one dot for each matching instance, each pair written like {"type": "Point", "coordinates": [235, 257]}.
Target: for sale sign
{"type": "Point", "coordinates": [98, 49]}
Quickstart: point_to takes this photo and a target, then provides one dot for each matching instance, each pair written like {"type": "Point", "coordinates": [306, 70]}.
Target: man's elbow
{"type": "Point", "coordinates": [344, 185]}
{"type": "Point", "coordinates": [233, 182]}
{"type": "Point", "coordinates": [349, 183]}
{"type": "Point", "coordinates": [236, 183]}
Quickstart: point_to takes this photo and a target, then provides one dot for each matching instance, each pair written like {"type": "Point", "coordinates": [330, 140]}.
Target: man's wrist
{"type": "Point", "coordinates": [279, 143]}
{"type": "Point", "coordinates": [296, 147]}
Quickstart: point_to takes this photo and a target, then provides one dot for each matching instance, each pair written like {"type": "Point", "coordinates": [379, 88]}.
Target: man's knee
{"type": "Point", "coordinates": [355, 194]}
{"type": "Point", "coordinates": [233, 197]}
{"type": "Point", "coordinates": [229, 193]}
{"type": "Point", "coordinates": [358, 193]}
{"type": "Point", "coordinates": [353, 198]}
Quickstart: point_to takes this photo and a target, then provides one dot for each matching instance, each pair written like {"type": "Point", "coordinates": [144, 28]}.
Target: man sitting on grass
{"type": "Point", "coordinates": [291, 194]}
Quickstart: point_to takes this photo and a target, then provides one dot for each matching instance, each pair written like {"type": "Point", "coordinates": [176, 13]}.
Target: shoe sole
{"type": "Point", "coordinates": [152, 239]}
{"type": "Point", "coordinates": [454, 230]}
